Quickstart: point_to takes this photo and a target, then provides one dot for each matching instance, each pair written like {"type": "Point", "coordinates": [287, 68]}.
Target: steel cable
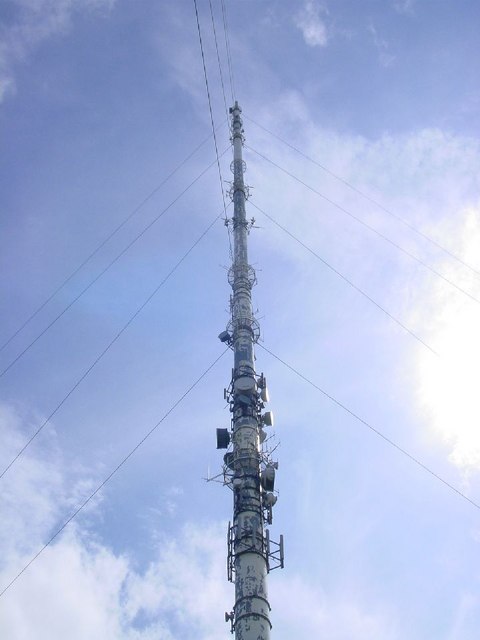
{"type": "Point", "coordinates": [211, 117]}
{"type": "Point", "coordinates": [227, 48]}
{"type": "Point", "coordinates": [218, 59]}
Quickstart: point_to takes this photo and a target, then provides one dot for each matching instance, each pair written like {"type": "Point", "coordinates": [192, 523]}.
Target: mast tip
{"type": "Point", "coordinates": [236, 106]}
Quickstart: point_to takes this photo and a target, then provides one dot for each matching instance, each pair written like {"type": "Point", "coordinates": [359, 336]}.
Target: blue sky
{"type": "Point", "coordinates": [99, 101]}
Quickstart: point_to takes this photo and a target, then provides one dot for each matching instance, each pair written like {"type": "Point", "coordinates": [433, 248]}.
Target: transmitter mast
{"type": "Point", "coordinates": [248, 469]}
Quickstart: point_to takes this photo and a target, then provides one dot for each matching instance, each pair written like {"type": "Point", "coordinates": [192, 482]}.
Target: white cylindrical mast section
{"type": "Point", "coordinates": [248, 541]}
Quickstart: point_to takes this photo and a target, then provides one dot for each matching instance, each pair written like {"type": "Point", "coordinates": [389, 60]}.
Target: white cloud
{"type": "Point", "coordinates": [78, 587]}
{"type": "Point", "coordinates": [36, 21]}
{"type": "Point", "coordinates": [27, 512]}
{"type": "Point", "coordinates": [313, 28]}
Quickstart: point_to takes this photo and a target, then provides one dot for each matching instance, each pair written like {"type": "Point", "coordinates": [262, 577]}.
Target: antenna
{"type": "Point", "coordinates": [248, 469]}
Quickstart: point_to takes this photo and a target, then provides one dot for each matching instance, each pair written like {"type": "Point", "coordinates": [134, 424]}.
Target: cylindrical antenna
{"type": "Point", "coordinates": [248, 469]}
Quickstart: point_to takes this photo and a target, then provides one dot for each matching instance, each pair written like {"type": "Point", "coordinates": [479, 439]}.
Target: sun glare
{"type": "Point", "coordinates": [449, 386]}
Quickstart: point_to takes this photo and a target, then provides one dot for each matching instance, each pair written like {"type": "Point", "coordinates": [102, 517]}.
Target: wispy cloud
{"type": "Point", "coordinates": [404, 6]}
{"type": "Point", "coordinates": [320, 615]}
{"type": "Point", "coordinates": [385, 57]}
{"type": "Point", "coordinates": [35, 21]}
{"type": "Point", "coordinates": [312, 25]}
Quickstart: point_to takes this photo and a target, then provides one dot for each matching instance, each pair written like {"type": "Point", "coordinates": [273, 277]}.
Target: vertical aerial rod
{"type": "Point", "coordinates": [248, 469]}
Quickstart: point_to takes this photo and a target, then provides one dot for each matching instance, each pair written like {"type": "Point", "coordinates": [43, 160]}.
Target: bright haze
{"type": "Point", "coordinates": [368, 265]}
